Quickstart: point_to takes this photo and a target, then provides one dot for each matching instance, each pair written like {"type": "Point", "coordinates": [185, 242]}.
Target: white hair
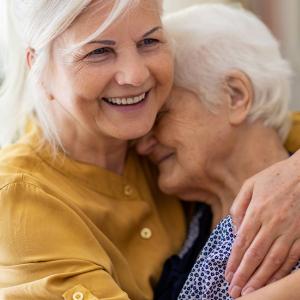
{"type": "Point", "coordinates": [210, 40]}
{"type": "Point", "coordinates": [35, 24]}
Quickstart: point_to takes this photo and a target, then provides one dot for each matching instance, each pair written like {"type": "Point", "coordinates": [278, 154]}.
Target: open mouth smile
{"type": "Point", "coordinates": [126, 101]}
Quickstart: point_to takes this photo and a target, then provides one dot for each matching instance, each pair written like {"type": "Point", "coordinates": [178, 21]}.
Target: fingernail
{"type": "Point", "coordinates": [234, 229]}
{"type": "Point", "coordinates": [248, 291]}
{"type": "Point", "coordinates": [229, 277]}
{"type": "Point", "coordinates": [236, 291]}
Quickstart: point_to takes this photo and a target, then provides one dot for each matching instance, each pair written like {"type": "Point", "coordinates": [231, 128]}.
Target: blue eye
{"type": "Point", "coordinates": [149, 41]}
{"type": "Point", "coordinates": [148, 44]}
{"type": "Point", "coordinates": [98, 51]}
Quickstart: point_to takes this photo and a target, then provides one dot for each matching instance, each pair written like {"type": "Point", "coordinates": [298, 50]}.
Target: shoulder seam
{"type": "Point", "coordinates": [21, 183]}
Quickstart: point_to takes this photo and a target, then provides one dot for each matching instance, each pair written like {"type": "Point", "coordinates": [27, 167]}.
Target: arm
{"type": "Point", "coordinates": [270, 225]}
{"type": "Point", "coordinates": [49, 251]}
{"type": "Point", "coordinates": [285, 288]}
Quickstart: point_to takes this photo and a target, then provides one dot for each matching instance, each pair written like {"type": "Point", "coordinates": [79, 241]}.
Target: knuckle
{"type": "Point", "coordinates": [246, 182]}
{"type": "Point", "coordinates": [255, 255]}
{"type": "Point", "coordinates": [240, 278]}
{"type": "Point", "coordinates": [257, 282]}
{"type": "Point", "coordinates": [241, 241]}
{"type": "Point", "coordinates": [280, 274]}
{"type": "Point", "coordinates": [276, 259]}
{"type": "Point", "coordinates": [293, 257]}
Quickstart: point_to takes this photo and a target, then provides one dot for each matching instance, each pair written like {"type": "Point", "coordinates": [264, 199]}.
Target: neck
{"type": "Point", "coordinates": [109, 154]}
{"type": "Point", "coordinates": [254, 148]}
{"type": "Point", "coordinates": [100, 150]}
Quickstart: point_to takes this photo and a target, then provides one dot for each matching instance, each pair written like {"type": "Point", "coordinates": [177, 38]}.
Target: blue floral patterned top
{"type": "Point", "coordinates": [207, 278]}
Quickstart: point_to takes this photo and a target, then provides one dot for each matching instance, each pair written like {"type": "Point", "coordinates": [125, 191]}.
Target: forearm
{"type": "Point", "coordinates": [286, 288]}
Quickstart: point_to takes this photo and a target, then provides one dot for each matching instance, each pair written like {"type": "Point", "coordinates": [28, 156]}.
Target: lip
{"type": "Point", "coordinates": [130, 96]}
{"type": "Point", "coordinates": [162, 159]}
{"type": "Point", "coordinates": [129, 107]}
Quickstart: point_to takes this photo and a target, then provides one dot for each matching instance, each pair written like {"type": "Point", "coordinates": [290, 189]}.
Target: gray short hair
{"type": "Point", "coordinates": [211, 40]}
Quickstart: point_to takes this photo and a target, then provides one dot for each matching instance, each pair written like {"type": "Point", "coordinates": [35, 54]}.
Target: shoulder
{"type": "Point", "coordinates": [18, 158]}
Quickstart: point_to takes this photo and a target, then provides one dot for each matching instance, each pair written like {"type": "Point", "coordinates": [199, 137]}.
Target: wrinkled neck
{"type": "Point", "coordinates": [254, 148]}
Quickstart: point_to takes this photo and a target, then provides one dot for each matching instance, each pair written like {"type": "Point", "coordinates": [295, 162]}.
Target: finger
{"type": "Point", "coordinates": [241, 203]}
{"type": "Point", "coordinates": [243, 240]}
{"type": "Point", "coordinates": [253, 257]}
{"type": "Point", "coordinates": [289, 263]}
{"type": "Point", "coordinates": [272, 262]}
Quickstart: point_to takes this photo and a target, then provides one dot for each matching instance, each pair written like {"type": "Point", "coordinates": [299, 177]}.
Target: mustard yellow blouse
{"type": "Point", "coordinates": [70, 230]}
{"type": "Point", "coordinates": [292, 143]}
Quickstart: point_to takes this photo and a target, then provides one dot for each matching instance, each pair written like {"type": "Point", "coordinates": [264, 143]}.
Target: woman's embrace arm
{"type": "Point", "coordinates": [263, 227]}
{"type": "Point", "coordinates": [285, 288]}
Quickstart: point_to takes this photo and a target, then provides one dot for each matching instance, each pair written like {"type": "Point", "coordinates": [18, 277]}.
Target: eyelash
{"type": "Point", "coordinates": [94, 53]}
{"type": "Point", "coordinates": [146, 42]}
{"type": "Point", "coordinates": [154, 41]}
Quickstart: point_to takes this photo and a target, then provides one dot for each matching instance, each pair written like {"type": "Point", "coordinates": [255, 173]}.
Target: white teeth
{"type": "Point", "coordinates": [126, 101]}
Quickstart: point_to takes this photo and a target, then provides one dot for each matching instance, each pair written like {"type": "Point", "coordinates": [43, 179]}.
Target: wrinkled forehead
{"type": "Point", "coordinates": [109, 14]}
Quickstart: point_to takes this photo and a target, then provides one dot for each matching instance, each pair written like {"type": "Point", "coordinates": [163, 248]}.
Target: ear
{"type": "Point", "coordinates": [30, 57]}
{"type": "Point", "coordinates": [239, 96]}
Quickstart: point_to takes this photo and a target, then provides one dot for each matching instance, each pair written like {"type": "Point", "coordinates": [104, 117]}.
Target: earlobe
{"type": "Point", "coordinates": [48, 95]}
{"type": "Point", "coordinates": [239, 90]}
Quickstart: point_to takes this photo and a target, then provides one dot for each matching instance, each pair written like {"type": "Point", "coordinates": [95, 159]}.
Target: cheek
{"type": "Point", "coordinates": [85, 82]}
{"type": "Point", "coordinates": [90, 84]}
{"type": "Point", "coordinates": [166, 72]}
{"type": "Point", "coordinates": [162, 69]}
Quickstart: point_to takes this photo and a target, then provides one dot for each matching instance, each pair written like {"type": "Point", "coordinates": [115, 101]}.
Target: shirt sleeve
{"type": "Point", "coordinates": [49, 250]}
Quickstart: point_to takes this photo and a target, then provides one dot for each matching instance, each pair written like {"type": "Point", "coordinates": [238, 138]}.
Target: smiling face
{"type": "Point", "coordinates": [188, 143]}
{"type": "Point", "coordinates": [113, 86]}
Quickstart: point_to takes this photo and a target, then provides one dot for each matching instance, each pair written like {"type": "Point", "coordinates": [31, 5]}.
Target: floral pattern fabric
{"type": "Point", "coordinates": [207, 278]}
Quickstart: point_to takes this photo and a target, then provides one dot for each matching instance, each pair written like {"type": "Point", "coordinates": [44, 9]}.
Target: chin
{"type": "Point", "coordinates": [130, 136]}
{"type": "Point", "coordinates": [167, 186]}
{"type": "Point", "coordinates": [134, 132]}
{"type": "Point", "coordinates": [170, 187]}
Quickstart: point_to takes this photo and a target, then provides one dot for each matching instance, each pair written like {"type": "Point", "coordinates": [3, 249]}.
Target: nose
{"type": "Point", "coordinates": [132, 69]}
{"type": "Point", "coordinates": [146, 143]}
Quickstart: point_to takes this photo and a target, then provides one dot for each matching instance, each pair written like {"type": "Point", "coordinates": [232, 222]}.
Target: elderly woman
{"type": "Point", "coordinates": [81, 215]}
{"type": "Point", "coordinates": [226, 117]}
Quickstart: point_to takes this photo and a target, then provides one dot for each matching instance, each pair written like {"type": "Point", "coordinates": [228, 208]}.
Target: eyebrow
{"type": "Point", "coordinates": [104, 42]}
{"type": "Point", "coordinates": [110, 43]}
{"type": "Point", "coordinates": [151, 31]}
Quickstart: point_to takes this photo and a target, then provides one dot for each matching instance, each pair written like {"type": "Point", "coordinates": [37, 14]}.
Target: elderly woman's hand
{"type": "Point", "coordinates": [266, 215]}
